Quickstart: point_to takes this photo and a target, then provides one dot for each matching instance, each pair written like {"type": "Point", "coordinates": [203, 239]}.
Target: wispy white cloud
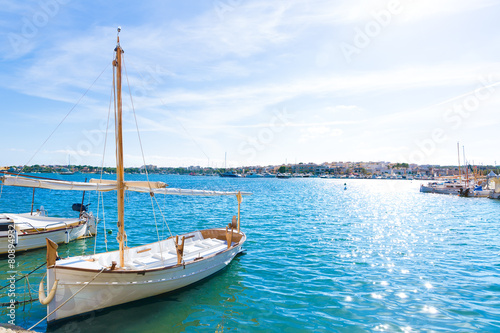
{"type": "Point", "coordinates": [216, 78]}
{"type": "Point", "coordinates": [421, 10]}
{"type": "Point", "coordinates": [319, 132]}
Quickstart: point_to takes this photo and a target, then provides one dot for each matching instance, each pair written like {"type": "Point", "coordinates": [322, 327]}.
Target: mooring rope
{"type": "Point", "coordinates": [66, 301]}
{"type": "Point", "coordinates": [23, 276]}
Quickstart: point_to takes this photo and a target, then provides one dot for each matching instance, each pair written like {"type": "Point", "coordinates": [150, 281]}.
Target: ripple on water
{"type": "Point", "coordinates": [379, 256]}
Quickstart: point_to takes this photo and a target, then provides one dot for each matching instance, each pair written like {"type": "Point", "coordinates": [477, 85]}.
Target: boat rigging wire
{"type": "Point", "coordinates": [143, 158]}
{"type": "Point", "coordinates": [104, 223]}
{"type": "Point", "coordinates": [100, 195]}
{"type": "Point", "coordinates": [189, 135]}
{"type": "Point", "coordinates": [66, 116]}
{"type": "Point", "coordinates": [70, 298]}
{"type": "Point", "coordinates": [163, 217]}
{"type": "Point", "coordinates": [179, 122]}
{"type": "Point", "coordinates": [23, 276]}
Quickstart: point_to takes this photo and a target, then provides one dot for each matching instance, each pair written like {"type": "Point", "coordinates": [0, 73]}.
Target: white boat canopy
{"type": "Point", "coordinates": [53, 184]}
{"type": "Point", "coordinates": [129, 185]}
{"type": "Point", "coordinates": [105, 185]}
{"type": "Point", "coordinates": [180, 191]}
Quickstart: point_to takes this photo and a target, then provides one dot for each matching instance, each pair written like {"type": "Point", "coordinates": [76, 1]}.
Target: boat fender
{"type": "Point", "coordinates": [67, 237]}
{"type": "Point", "coordinates": [41, 293]}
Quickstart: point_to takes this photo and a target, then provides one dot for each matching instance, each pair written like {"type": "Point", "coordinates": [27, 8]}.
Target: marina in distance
{"type": "Point", "coordinates": [334, 259]}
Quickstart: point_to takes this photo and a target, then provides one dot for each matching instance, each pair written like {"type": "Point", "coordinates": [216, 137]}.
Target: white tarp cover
{"type": "Point", "coordinates": [24, 221]}
{"type": "Point", "coordinates": [55, 184]}
{"type": "Point", "coordinates": [131, 184]}
{"type": "Point", "coordinates": [107, 185]}
{"type": "Point", "coordinates": [180, 191]}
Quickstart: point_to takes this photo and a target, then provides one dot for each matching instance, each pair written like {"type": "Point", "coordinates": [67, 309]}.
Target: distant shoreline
{"type": "Point", "coordinates": [363, 170]}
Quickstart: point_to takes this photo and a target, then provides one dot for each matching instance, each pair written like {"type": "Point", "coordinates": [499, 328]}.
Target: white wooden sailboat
{"type": "Point", "coordinates": [86, 283]}
{"type": "Point", "coordinates": [28, 231]}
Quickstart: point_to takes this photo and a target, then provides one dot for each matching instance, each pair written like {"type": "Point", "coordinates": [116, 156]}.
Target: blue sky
{"type": "Point", "coordinates": [264, 81]}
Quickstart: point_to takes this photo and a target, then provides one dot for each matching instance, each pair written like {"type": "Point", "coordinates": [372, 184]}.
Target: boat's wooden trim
{"type": "Point", "coordinates": [229, 235]}
{"type": "Point", "coordinates": [135, 271]}
{"type": "Point", "coordinates": [42, 230]}
{"type": "Point", "coordinates": [51, 252]}
{"type": "Point", "coordinates": [143, 271]}
{"type": "Point", "coordinates": [220, 234]}
{"type": "Point", "coordinates": [217, 233]}
{"type": "Point", "coordinates": [21, 234]}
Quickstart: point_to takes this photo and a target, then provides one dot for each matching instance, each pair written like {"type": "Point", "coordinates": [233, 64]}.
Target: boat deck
{"type": "Point", "coordinates": [27, 222]}
{"type": "Point", "coordinates": [154, 255]}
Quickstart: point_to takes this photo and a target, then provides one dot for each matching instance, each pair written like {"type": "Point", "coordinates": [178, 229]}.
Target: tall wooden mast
{"type": "Point", "coordinates": [119, 151]}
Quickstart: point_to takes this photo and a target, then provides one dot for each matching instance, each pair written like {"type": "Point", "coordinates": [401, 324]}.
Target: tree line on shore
{"type": "Point", "coordinates": [208, 170]}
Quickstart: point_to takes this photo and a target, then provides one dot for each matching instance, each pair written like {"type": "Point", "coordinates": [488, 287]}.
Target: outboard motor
{"type": "Point", "coordinates": [78, 207]}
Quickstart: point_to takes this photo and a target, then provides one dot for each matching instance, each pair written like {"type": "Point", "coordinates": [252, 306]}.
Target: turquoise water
{"type": "Point", "coordinates": [378, 256]}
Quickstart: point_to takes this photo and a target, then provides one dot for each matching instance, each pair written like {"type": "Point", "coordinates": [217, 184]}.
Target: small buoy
{"type": "Point", "coordinates": [109, 231]}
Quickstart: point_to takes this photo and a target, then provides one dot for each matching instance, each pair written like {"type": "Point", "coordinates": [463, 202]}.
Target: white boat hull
{"type": "Point", "coordinates": [494, 195]}
{"type": "Point", "coordinates": [439, 190]}
{"type": "Point", "coordinates": [28, 232]}
{"type": "Point", "coordinates": [115, 287]}
{"type": "Point", "coordinates": [455, 191]}
{"type": "Point", "coordinates": [481, 194]}
{"type": "Point", "coordinates": [27, 242]}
